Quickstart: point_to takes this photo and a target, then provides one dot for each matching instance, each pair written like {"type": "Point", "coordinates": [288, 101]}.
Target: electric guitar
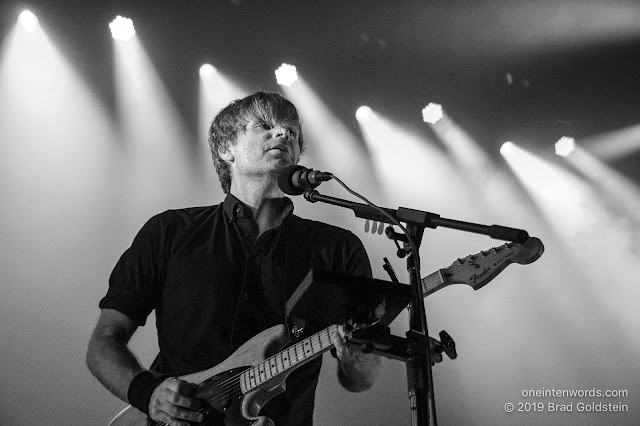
{"type": "Point", "coordinates": [252, 375]}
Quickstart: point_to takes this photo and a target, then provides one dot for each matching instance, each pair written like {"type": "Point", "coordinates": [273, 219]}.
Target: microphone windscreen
{"type": "Point", "coordinates": [285, 180]}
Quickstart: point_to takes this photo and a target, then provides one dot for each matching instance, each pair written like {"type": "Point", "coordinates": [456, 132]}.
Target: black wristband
{"type": "Point", "coordinates": [140, 390]}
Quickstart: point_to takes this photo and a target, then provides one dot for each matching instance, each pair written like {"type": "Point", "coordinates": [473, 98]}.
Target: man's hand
{"type": "Point", "coordinates": [172, 402]}
{"type": "Point", "coordinates": [357, 371]}
{"type": "Point", "coordinates": [348, 352]}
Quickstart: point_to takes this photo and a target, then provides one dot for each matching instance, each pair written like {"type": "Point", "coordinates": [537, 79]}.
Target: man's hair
{"type": "Point", "coordinates": [269, 107]}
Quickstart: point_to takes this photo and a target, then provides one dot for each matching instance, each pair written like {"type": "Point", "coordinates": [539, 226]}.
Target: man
{"type": "Point", "coordinates": [218, 275]}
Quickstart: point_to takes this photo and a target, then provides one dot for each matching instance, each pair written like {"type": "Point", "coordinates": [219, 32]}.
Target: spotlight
{"type": "Point", "coordinates": [507, 148]}
{"type": "Point", "coordinates": [207, 71]}
{"type": "Point", "coordinates": [363, 113]}
{"type": "Point", "coordinates": [286, 74]}
{"type": "Point", "coordinates": [432, 113]}
{"type": "Point", "coordinates": [28, 20]}
{"type": "Point", "coordinates": [122, 28]}
{"type": "Point", "coordinates": [565, 146]}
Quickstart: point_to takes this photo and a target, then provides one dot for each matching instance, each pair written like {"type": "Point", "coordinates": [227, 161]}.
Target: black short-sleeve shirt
{"type": "Point", "coordinates": [214, 284]}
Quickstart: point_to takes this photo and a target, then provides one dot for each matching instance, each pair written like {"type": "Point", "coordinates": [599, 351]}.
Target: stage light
{"type": "Point", "coordinates": [286, 74]}
{"type": "Point", "coordinates": [28, 20]}
{"type": "Point", "coordinates": [207, 71]}
{"type": "Point", "coordinates": [507, 148]}
{"type": "Point", "coordinates": [122, 28]}
{"type": "Point", "coordinates": [432, 113]}
{"type": "Point", "coordinates": [363, 113]}
{"type": "Point", "coordinates": [565, 146]}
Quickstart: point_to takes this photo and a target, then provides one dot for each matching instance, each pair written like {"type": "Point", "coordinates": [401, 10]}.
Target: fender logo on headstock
{"type": "Point", "coordinates": [474, 278]}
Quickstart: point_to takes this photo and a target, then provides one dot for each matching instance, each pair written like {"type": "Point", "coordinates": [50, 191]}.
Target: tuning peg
{"type": "Point", "coordinates": [366, 226]}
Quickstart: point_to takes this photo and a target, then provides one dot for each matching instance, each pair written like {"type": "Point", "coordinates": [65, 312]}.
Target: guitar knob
{"type": "Point", "coordinates": [297, 331]}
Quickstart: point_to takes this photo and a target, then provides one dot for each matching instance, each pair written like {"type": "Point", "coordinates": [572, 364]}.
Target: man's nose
{"type": "Point", "coordinates": [283, 131]}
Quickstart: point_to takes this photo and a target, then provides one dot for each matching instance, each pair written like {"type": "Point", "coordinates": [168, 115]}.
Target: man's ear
{"type": "Point", "coordinates": [226, 154]}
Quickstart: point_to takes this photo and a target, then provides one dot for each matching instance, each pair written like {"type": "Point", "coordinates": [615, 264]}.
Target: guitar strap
{"type": "Point", "coordinates": [297, 265]}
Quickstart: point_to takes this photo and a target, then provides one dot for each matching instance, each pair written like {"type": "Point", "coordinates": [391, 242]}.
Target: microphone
{"type": "Point", "coordinates": [294, 180]}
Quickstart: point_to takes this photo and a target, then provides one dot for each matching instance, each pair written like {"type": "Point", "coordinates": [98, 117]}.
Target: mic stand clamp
{"type": "Point", "coordinates": [377, 339]}
{"type": "Point", "coordinates": [393, 235]}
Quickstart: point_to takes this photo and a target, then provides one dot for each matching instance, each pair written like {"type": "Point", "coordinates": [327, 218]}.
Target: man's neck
{"type": "Point", "coordinates": [263, 198]}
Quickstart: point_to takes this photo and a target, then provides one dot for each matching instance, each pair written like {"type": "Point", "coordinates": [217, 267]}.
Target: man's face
{"type": "Point", "coordinates": [264, 148]}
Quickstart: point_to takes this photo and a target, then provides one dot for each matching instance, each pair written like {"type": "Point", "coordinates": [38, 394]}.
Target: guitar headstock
{"type": "Point", "coordinates": [478, 269]}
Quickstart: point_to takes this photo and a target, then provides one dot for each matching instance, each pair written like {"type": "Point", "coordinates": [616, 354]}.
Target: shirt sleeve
{"type": "Point", "coordinates": [135, 284]}
{"type": "Point", "coordinates": [355, 257]}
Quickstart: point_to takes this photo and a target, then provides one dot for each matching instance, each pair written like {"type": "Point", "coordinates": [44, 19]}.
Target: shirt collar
{"type": "Point", "coordinates": [235, 208]}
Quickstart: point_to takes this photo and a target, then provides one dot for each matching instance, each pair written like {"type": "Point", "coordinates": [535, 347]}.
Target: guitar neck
{"type": "Point", "coordinates": [288, 360]}
{"type": "Point", "coordinates": [433, 283]}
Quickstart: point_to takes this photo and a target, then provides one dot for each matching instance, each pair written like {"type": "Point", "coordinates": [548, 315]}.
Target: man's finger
{"type": "Point", "coordinates": [179, 414]}
{"type": "Point", "coordinates": [184, 401]}
{"type": "Point", "coordinates": [166, 418]}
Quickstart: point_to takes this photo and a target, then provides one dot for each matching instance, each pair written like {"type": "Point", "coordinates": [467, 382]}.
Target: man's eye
{"type": "Point", "coordinates": [264, 125]}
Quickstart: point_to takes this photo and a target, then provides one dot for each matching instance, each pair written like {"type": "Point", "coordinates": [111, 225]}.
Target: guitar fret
{"type": "Point", "coordinates": [252, 377]}
{"type": "Point", "coordinates": [273, 368]}
{"type": "Point", "coordinates": [267, 370]}
{"type": "Point", "coordinates": [243, 382]}
{"type": "Point", "coordinates": [286, 359]}
{"type": "Point", "coordinates": [328, 335]}
{"type": "Point", "coordinates": [299, 352]}
{"type": "Point", "coordinates": [307, 347]}
{"type": "Point", "coordinates": [312, 344]}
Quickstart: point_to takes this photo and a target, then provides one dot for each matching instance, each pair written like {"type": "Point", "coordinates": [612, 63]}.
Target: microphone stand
{"type": "Point", "coordinates": [414, 351]}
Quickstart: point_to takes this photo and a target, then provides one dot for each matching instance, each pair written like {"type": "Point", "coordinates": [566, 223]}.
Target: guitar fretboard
{"type": "Point", "coordinates": [292, 357]}
{"type": "Point", "coordinates": [432, 283]}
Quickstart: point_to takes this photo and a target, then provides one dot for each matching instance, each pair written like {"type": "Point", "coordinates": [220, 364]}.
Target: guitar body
{"type": "Point", "coordinates": [214, 384]}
